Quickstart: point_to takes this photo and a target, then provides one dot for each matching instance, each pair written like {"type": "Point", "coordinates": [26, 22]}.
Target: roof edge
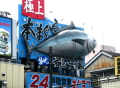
{"type": "Point", "coordinates": [95, 57]}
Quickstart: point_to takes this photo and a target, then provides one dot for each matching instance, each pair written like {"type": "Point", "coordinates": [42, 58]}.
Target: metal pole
{"type": "Point", "coordinates": [50, 65]}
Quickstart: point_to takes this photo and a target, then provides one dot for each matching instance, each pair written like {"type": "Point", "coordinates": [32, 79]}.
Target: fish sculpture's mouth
{"type": "Point", "coordinates": [91, 44]}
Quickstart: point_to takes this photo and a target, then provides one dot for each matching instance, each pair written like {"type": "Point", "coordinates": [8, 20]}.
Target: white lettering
{"type": "Point", "coordinates": [43, 60]}
{"type": "Point", "coordinates": [39, 7]}
{"type": "Point", "coordinates": [29, 6]}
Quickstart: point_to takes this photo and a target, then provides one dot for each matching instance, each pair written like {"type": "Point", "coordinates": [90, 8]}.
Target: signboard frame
{"type": "Point", "coordinates": [4, 24]}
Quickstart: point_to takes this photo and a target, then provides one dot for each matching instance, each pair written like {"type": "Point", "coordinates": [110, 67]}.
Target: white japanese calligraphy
{"type": "Point", "coordinates": [29, 6]}
{"type": "Point", "coordinates": [43, 61]}
{"type": "Point", "coordinates": [39, 7]}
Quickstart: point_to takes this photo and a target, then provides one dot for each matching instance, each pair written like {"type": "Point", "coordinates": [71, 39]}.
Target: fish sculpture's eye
{"type": "Point", "coordinates": [93, 40]}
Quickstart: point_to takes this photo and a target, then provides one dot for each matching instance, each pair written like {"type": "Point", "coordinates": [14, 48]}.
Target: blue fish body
{"type": "Point", "coordinates": [69, 44]}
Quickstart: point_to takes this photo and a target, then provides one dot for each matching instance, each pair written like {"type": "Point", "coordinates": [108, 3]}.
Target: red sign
{"type": "Point", "coordinates": [33, 8]}
{"type": "Point", "coordinates": [44, 83]}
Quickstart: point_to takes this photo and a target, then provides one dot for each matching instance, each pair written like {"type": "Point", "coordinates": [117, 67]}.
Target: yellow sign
{"type": "Point", "coordinates": [117, 65]}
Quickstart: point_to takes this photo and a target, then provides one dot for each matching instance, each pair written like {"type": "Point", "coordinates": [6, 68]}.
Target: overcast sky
{"type": "Point", "coordinates": [102, 17]}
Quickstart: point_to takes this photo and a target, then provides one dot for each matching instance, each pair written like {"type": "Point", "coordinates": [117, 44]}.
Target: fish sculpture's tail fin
{"type": "Point", "coordinates": [29, 50]}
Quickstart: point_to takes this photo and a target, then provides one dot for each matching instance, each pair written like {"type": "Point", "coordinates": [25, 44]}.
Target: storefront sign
{"type": "Point", "coordinates": [33, 8]}
{"type": "Point", "coordinates": [36, 80]}
{"type": "Point", "coordinates": [41, 33]}
{"type": "Point", "coordinates": [5, 36]}
{"type": "Point", "coordinates": [34, 31]}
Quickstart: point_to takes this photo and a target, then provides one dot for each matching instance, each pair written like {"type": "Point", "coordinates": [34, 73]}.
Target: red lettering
{"type": "Point", "coordinates": [79, 81]}
{"type": "Point", "coordinates": [44, 82]}
{"type": "Point", "coordinates": [4, 24]}
{"type": "Point", "coordinates": [74, 82]}
{"type": "Point", "coordinates": [36, 78]}
{"type": "Point", "coordinates": [8, 25]}
{"type": "Point", "coordinates": [0, 23]}
{"type": "Point", "coordinates": [83, 86]}
{"type": "Point", "coordinates": [88, 82]}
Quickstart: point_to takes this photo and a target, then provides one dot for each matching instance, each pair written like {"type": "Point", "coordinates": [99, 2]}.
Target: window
{"type": "Point", "coordinates": [109, 73]}
{"type": "Point", "coordinates": [105, 73]}
{"type": "Point", "coordinates": [99, 73]}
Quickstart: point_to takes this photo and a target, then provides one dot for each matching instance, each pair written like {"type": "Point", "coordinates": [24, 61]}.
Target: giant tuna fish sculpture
{"type": "Point", "coordinates": [68, 43]}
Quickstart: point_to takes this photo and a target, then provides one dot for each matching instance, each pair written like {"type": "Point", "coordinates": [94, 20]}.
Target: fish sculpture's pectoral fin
{"type": "Point", "coordinates": [29, 50]}
{"type": "Point", "coordinates": [80, 41]}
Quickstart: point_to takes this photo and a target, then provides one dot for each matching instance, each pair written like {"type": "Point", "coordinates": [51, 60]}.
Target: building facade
{"type": "Point", "coordinates": [97, 49]}
{"type": "Point", "coordinates": [102, 65]}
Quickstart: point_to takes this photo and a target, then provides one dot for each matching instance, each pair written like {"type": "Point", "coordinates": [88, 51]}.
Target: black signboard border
{"type": "Point", "coordinates": [3, 56]}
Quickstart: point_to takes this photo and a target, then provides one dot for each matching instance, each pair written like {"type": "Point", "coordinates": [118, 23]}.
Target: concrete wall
{"type": "Point", "coordinates": [115, 83]}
